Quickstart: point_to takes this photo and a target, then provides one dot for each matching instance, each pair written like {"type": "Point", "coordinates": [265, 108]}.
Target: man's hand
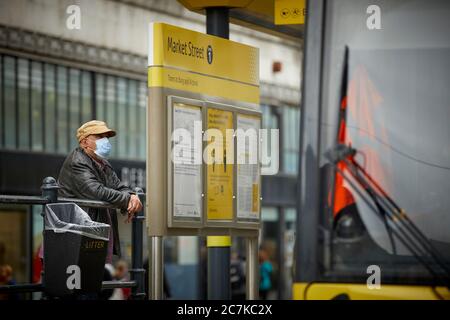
{"type": "Point", "coordinates": [134, 205]}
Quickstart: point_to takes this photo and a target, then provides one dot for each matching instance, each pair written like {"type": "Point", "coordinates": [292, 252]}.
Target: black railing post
{"type": "Point", "coordinates": [137, 270]}
{"type": "Point", "coordinates": [49, 190]}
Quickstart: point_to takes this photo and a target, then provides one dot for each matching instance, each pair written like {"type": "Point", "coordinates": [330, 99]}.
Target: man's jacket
{"type": "Point", "coordinates": [83, 177]}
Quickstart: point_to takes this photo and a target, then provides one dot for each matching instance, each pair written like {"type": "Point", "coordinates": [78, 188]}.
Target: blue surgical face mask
{"type": "Point", "coordinates": [103, 148]}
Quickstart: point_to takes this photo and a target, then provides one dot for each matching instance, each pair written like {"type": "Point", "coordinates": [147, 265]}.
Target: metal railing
{"type": "Point", "coordinates": [50, 195]}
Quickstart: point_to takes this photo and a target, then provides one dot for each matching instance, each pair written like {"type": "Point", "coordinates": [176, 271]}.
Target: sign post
{"type": "Point", "coordinates": [219, 247]}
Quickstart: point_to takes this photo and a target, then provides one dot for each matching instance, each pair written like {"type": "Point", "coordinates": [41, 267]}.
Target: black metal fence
{"type": "Point", "coordinates": [50, 195]}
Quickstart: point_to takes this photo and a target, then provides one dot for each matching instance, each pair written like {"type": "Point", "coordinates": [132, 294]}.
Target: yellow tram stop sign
{"type": "Point", "coordinates": [203, 91]}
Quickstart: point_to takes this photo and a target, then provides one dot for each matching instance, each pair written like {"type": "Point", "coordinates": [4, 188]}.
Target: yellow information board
{"type": "Point", "coordinates": [290, 11]}
{"type": "Point", "coordinates": [219, 184]}
{"type": "Point", "coordinates": [202, 88]}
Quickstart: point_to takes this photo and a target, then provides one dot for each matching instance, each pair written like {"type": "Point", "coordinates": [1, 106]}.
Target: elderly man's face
{"type": "Point", "coordinates": [89, 141]}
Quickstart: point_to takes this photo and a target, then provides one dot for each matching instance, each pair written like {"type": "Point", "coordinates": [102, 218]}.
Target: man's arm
{"type": "Point", "coordinates": [135, 204]}
{"type": "Point", "coordinates": [88, 186]}
{"type": "Point", "coordinates": [118, 185]}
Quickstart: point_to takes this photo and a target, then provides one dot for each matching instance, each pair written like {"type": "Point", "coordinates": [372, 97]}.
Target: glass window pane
{"type": "Point", "coordinates": [36, 106]}
{"type": "Point", "coordinates": [291, 124]}
{"type": "Point", "coordinates": [62, 110]}
{"type": "Point", "coordinates": [1, 101]}
{"type": "Point", "coordinates": [74, 107]}
{"type": "Point", "coordinates": [111, 110]}
{"type": "Point", "coordinates": [24, 104]}
{"type": "Point", "coordinates": [132, 119]}
{"type": "Point", "coordinates": [122, 128]}
{"type": "Point", "coordinates": [142, 119]}
{"type": "Point", "coordinates": [100, 97]}
{"type": "Point", "coordinates": [86, 97]}
{"type": "Point", "coordinates": [10, 103]}
{"type": "Point", "coordinates": [50, 108]}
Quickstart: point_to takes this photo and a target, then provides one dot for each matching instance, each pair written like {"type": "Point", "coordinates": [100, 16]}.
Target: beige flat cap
{"type": "Point", "coordinates": [94, 127]}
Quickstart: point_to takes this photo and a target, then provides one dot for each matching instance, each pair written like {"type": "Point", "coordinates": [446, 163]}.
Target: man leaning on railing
{"type": "Point", "coordinates": [87, 174]}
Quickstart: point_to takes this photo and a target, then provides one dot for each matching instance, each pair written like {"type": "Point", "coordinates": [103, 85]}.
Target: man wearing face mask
{"type": "Point", "coordinates": [87, 174]}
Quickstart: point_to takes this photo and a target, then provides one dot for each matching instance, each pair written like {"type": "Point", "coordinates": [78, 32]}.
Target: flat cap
{"type": "Point", "coordinates": [94, 127]}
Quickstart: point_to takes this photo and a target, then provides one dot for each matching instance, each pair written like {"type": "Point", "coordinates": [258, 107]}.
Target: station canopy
{"type": "Point", "coordinates": [259, 15]}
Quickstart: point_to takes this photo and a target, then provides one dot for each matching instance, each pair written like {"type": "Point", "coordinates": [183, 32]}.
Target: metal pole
{"type": "Point", "coordinates": [252, 284]}
{"type": "Point", "coordinates": [156, 267]}
{"type": "Point", "coordinates": [217, 22]}
{"type": "Point", "coordinates": [219, 285]}
{"type": "Point", "coordinates": [137, 271]}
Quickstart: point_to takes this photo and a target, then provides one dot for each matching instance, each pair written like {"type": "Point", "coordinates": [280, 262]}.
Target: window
{"type": "Point", "coordinates": [9, 107]}
{"type": "Point", "coordinates": [287, 119]}
{"type": "Point", "coordinates": [37, 114]}
{"type": "Point", "coordinates": [50, 107]}
{"type": "Point", "coordinates": [290, 147]}
{"type": "Point", "coordinates": [74, 106]}
{"type": "Point", "coordinates": [110, 110]}
{"type": "Point", "coordinates": [2, 117]}
{"type": "Point", "coordinates": [62, 107]}
{"type": "Point", "coordinates": [24, 104]}
{"type": "Point", "coordinates": [122, 113]}
{"type": "Point", "coordinates": [43, 104]}
{"type": "Point", "coordinates": [141, 121]}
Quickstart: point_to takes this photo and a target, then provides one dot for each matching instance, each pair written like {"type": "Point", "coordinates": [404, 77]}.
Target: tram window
{"type": "Point", "coordinates": [24, 103]}
{"type": "Point", "coordinates": [9, 69]}
{"type": "Point", "coordinates": [398, 120]}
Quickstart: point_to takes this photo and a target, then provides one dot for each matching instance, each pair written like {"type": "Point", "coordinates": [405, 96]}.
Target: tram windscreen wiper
{"type": "Point", "coordinates": [395, 218]}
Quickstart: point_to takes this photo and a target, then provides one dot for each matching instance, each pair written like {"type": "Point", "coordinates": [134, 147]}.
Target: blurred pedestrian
{"type": "Point", "coordinates": [6, 278]}
{"type": "Point", "coordinates": [265, 273]}
{"type": "Point", "coordinates": [123, 275]}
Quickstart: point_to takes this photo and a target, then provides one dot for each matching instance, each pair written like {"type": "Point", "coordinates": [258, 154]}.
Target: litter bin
{"type": "Point", "coordinates": [75, 249]}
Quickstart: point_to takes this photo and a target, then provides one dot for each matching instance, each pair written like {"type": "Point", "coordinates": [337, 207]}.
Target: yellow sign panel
{"type": "Point", "coordinates": [197, 83]}
{"type": "Point", "coordinates": [201, 63]}
{"type": "Point", "coordinates": [219, 184]}
{"type": "Point", "coordinates": [290, 11]}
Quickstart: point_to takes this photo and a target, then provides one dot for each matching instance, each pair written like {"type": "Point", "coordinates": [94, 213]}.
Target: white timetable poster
{"type": "Point", "coordinates": [248, 171]}
{"type": "Point", "coordinates": [187, 173]}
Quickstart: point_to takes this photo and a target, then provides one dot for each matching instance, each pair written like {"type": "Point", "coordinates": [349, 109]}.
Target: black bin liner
{"type": "Point", "coordinates": [71, 238]}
